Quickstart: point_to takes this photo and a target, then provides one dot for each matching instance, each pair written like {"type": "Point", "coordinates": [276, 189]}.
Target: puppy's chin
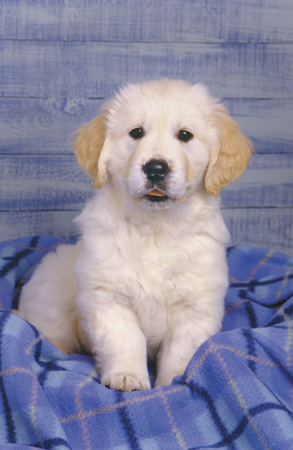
{"type": "Point", "coordinates": [157, 199]}
{"type": "Point", "coordinates": [153, 202]}
{"type": "Point", "coordinates": [156, 196]}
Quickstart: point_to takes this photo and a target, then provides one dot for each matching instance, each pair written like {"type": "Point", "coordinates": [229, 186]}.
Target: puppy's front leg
{"type": "Point", "coordinates": [179, 345]}
{"type": "Point", "coordinates": [116, 341]}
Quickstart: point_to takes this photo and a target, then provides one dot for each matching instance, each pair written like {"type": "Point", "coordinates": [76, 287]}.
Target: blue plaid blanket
{"type": "Point", "coordinates": [236, 393]}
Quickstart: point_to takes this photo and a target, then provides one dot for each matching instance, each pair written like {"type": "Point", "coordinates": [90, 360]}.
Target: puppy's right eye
{"type": "Point", "coordinates": [184, 136]}
{"type": "Point", "coordinates": [136, 133]}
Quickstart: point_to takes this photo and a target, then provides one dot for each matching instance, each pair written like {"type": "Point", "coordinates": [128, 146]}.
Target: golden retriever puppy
{"type": "Point", "coordinates": [148, 277]}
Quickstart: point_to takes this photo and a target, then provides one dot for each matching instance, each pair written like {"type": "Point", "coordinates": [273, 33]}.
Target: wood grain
{"type": "Point", "coordinates": [45, 126]}
{"type": "Point", "coordinates": [61, 58]}
{"type": "Point", "coordinates": [270, 228]}
{"type": "Point", "coordinates": [38, 184]}
{"type": "Point", "coordinates": [15, 224]}
{"type": "Point", "coordinates": [56, 182]}
{"type": "Point", "coordinates": [268, 181]}
{"type": "Point", "coordinates": [151, 20]}
{"type": "Point", "coordinates": [95, 70]}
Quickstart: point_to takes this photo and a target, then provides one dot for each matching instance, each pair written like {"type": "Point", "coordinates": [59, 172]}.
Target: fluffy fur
{"type": "Point", "coordinates": [148, 276]}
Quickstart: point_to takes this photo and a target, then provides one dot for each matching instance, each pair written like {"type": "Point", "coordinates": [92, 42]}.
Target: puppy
{"type": "Point", "coordinates": [149, 275]}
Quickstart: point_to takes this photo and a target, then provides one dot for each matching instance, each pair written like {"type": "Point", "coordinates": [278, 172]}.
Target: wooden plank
{"type": "Point", "coordinates": [95, 70]}
{"type": "Point", "coordinates": [271, 228]}
{"type": "Point", "coordinates": [57, 183]}
{"type": "Point", "coordinates": [47, 183]}
{"type": "Point", "coordinates": [268, 181]}
{"type": "Point", "coordinates": [268, 123]}
{"type": "Point", "coordinates": [39, 126]}
{"type": "Point", "coordinates": [152, 20]}
{"type": "Point", "coordinates": [15, 224]}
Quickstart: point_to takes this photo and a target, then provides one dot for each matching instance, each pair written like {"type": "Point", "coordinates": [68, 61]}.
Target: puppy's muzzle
{"type": "Point", "coordinates": [156, 171]}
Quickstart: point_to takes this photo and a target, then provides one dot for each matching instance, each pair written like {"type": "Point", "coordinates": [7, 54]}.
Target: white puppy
{"type": "Point", "coordinates": [149, 275]}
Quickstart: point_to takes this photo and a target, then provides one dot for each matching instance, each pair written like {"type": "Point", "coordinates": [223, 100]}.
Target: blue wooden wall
{"type": "Point", "coordinates": [60, 58]}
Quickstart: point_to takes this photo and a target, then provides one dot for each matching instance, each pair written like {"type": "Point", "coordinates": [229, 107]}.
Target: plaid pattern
{"type": "Point", "coordinates": [236, 393]}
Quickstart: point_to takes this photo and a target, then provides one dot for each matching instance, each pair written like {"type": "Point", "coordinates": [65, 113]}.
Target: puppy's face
{"type": "Point", "coordinates": [161, 141]}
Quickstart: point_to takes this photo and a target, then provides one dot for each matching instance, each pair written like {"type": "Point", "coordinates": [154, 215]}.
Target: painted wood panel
{"type": "Point", "coordinates": [268, 181]}
{"type": "Point", "coordinates": [151, 20]}
{"type": "Point", "coordinates": [271, 228]}
{"type": "Point", "coordinates": [95, 70]}
{"type": "Point", "coordinates": [57, 183]}
{"type": "Point", "coordinates": [15, 224]}
{"type": "Point", "coordinates": [45, 126]}
{"type": "Point", "coordinates": [42, 126]}
{"type": "Point", "coordinates": [262, 227]}
{"type": "Point", "coordinates": [268, 122]}
{"type": "Point", "coordinates": [61, 58]}
{"type": "Point", "coordinates": [38, 184]}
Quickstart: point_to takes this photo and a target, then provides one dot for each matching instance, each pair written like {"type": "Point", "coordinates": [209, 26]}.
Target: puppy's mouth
{"type": "Point", "coordinates": [156, 196]}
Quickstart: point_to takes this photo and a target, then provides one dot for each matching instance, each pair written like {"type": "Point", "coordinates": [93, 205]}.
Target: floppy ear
{"type": "Point", "coordinates": [90, 145]}
{"type": "Point", "coordinates": [230, 156]}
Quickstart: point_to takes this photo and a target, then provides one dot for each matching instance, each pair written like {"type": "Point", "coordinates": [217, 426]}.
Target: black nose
{"type": "Point", "coordinates": [156, 170]}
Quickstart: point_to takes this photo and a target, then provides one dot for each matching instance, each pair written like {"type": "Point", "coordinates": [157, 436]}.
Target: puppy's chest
{"type": "Point", "coordinates": [154, 266]}
{"type": "Point", "coordinates": [158, 256]}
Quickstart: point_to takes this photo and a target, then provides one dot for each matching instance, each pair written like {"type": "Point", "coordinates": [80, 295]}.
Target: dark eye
{"type": "Point", "coordinates": [184, 136]}
{"type": "Point", "coordinates": [137, 133]}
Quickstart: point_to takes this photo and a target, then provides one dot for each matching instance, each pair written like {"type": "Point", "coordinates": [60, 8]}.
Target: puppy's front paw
{"type": "Point", "coordinates": [126, 382]}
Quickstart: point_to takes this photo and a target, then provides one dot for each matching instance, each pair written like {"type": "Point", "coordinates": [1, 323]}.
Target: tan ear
{"type": "Point", "coordinates": [89, 145]}
{"type": "Point", "coordinates": [231, 154]}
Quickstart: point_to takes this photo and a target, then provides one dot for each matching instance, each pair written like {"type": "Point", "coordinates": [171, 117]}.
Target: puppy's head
{"type": "Point", "coordinates": [160, 141]}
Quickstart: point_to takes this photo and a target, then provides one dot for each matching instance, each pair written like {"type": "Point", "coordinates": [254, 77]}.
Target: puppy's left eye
{"type": "Point", "coordinates": [136, 133]}
{"type": "Point", "coordinates": [184, 136]}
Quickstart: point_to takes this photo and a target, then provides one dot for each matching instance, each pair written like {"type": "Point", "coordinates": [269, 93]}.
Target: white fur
{"type": "Point", "coordinates": [149, 277]}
